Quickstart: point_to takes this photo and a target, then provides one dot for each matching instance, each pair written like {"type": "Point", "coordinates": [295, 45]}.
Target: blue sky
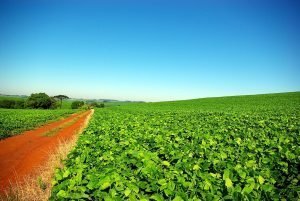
{"type": "Point", "coordinates": [149, 50]}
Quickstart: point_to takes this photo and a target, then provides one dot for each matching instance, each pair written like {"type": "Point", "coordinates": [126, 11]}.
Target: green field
{"type": "Point", "coordinates": [14, 121]}
{"type": "Point", "coordinates": [250, 103]}
{"type": "Point", "coordinates": [117, 103]}
{"type": "Point", "coordinates": [235, 148]}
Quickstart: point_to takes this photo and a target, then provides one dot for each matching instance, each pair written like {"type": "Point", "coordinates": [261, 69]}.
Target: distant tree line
{"type": "Point", "coordinates": [34, 101]}
{"type": "Point", "coordinates": [13, 104]}
{"type": "Point", "coordinates": [43, 101]}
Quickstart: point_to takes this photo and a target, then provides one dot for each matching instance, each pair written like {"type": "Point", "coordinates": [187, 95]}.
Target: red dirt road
{"type": "Point", "coordinates": [21, 155]}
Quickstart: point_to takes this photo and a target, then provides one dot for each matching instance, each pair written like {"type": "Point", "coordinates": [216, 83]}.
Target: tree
{"type": "Point", "coordinates": [61, 97]}
{"type": "Point", "coordinates": [77, 104]}
{"type": "Point", "coordinates": [55, 104]}
{"type": "Point", "coordinates": [39, 101]}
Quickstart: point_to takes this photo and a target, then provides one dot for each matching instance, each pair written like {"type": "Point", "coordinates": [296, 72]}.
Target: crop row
{"type": "Point", "coordinates": [147, 154]}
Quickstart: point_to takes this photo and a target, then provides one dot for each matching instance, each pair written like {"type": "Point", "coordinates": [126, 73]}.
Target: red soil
{"type": "Point", "coordinates": [20, 155]}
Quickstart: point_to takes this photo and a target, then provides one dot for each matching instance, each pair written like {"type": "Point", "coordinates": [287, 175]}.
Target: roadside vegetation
{"type": "Point", "coordinates": [235, 148]}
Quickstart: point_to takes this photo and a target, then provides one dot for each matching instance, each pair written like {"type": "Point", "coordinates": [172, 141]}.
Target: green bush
{"type": "Point", "coordinates": [77, 104]}
{"type": "Point", "coordinates": [85, 107]}
{"type": "Point", "coordinates": [19, 104]}
{"type": "Point", "coordinates": [7, 103]}
{"type": "Point", "coordinates": [98, 105]}
{"type": "Point", "coordinates": [54, 104]}
{"type": "Point", "coordinates": [12, 104]}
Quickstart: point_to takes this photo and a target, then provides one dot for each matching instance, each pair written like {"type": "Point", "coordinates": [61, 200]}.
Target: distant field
{"type": "Point", "coordinates": [251, 103]}
{"type": "Point", "coordinates": [235, 148]}
{"type": "Point", "coordinates": [14, 121]}
{"type": "Point", "coordinates": [11, 98]}
{"type": "Point", "coordinates": [117, 103]}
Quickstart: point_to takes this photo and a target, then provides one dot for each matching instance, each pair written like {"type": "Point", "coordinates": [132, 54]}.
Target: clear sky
{"type": "Point", "coordinates": [150, 50]}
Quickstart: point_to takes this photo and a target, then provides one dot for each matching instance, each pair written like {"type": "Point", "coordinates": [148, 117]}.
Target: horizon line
{"type": "Point", "coordinates": [128, 100]}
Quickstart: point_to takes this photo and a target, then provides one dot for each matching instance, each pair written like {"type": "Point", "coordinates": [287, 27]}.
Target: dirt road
{"type": "Point", "coordinates": [21, 155]}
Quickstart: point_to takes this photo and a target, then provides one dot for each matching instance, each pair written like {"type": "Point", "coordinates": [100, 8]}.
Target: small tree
{"type": "Point", "coordinates": [61, 97]}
